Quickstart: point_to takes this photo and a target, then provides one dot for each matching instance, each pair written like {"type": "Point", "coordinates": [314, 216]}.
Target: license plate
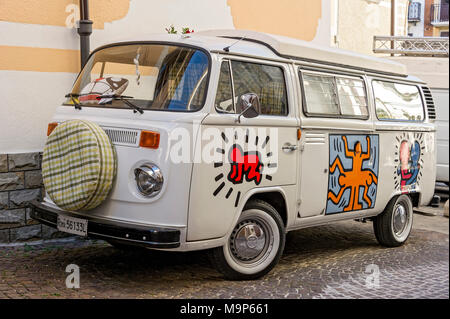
{"type": "Point", "coordinates": [72, 225]}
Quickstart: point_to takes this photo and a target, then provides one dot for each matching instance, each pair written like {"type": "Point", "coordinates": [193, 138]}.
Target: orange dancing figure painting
{"type": "Point", "coordinates": [353, 173]}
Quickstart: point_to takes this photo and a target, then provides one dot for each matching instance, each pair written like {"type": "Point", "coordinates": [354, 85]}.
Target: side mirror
{"type": "Point", "coordinates": [248, 106]}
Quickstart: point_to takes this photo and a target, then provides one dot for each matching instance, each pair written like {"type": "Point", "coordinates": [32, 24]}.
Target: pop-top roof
{"type": "Point", "coordinates": [303, 50]}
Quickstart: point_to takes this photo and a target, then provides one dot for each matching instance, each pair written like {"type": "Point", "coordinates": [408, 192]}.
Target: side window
{"type": "Point", "coordinates": [334, 95]}
{"type": "Point", "coordinates": [320, 94]}
{"type": "Point", "coordinates": [352, 97]}
{"type": "Point", "coordinates": [264, 80]}
{"type": "Point", "coordinates": [395, 101]}
{"type": "Point", "coordinates": [224, 96]}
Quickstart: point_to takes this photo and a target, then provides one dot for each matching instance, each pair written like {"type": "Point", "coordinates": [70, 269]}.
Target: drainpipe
{"type": "Point", "coordinates": [84, 30]}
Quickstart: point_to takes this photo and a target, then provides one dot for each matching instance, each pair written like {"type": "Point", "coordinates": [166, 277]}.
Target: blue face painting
{"type": "Point", "coordinates": [414, 163]}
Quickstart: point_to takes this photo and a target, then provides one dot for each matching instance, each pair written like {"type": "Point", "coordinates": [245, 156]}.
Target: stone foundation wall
{"type": "Point", "coordinates": [20, 183]}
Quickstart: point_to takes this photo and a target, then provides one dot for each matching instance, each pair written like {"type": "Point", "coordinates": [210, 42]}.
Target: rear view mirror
{"type": "Point", "coordinates": [248, 106]}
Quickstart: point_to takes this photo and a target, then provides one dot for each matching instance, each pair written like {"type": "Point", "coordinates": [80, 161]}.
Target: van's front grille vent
{"type": "Point", "coordinates": [430, 103]}
{"type": "Point", "coordinates": [120, 136]}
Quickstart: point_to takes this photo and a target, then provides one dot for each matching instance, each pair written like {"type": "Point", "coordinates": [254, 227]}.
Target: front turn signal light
{"type": "Point", "coordinates": [51, 127]}
{"type": "Point", "coordinates": [149, 139]}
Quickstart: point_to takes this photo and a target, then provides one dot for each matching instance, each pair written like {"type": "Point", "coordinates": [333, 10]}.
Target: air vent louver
{"type": "Point", "coordinates": [122, 136]}
{"type": "Point", "coordinates": [430, 103]}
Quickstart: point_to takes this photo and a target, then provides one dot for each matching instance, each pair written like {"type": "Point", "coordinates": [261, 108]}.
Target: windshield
{"type": "Point", "coordinates": [150, 76]}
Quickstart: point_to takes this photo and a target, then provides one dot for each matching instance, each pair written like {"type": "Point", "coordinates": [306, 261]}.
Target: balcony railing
{"type": "Point", "coordinates": [439, 14]}
{"type": "Point", "coordinates": [426, 46]}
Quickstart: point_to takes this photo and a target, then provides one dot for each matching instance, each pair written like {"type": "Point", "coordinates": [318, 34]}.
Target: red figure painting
{"type": "Point", "coordinates": [244, 164]}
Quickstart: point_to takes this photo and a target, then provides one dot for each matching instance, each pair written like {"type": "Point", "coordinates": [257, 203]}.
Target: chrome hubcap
{"type": "Point", "coordinates": [248, 240]}
{"type": "Point", "coordinates": [400, 219]}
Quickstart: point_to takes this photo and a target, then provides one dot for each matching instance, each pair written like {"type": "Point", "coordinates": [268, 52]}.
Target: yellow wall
{"type": "Point", "coordinates": [53, 12]}
{"type": "Point", "coordinates": [437, 31]}
{"type": "Point", "coordinates": [39, 59]}
{"type": "Point", "coordinates": [297, 19]}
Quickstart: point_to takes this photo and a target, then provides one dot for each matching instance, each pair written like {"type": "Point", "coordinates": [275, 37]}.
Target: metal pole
{"type": "Point", "coordinates": [84, 30]}
{"type": "Point", "coordinates": [392, 24]}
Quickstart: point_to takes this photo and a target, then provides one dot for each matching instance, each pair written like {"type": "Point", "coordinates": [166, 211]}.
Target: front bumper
{"type": "Point", "coordinates": [152, 237]}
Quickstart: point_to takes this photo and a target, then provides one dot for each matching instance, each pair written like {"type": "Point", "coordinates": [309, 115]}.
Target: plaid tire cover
{"type": "Point", "coordinates": [78, 165]}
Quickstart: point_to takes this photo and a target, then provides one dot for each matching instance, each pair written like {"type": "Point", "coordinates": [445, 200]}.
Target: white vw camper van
{"type": "Point", "coordinates": [227, 140]}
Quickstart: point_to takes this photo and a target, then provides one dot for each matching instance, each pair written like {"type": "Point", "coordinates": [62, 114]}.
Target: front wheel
{"type": "Point", "coordinates": [393, 226]}
{"type": "Point", "coordinates": [255, 245]}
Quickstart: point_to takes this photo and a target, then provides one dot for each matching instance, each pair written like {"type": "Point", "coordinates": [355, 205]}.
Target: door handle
{"type": "Point", "coordinates": [288, 147]}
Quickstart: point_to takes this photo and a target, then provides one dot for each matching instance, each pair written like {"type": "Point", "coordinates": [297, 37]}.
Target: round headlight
{"type": "Point", "coordinates": [149, 179]}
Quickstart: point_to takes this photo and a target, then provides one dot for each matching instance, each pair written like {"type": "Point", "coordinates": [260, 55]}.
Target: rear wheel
{"type": "Point", "coordinates": [393, 226]}
{"type": "Point", "coordinates": [255, 245]}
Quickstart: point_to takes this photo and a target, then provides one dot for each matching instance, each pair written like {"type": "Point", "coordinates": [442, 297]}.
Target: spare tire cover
{"type": "Point", "coordinates": [78, 165]}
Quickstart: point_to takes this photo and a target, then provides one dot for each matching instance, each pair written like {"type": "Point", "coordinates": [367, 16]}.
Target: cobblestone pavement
{"type": "Point", "coordinates": [334, 261]}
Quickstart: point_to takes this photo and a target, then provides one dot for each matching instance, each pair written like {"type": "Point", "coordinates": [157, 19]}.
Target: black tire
{"type": "Point", "coordinates": [385, 226]}
{"type": "Point", "coordinates": [226, 258]}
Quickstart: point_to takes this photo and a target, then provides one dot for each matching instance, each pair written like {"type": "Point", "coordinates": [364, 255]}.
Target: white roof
{"type": "Point", "coordinates": [209, 43]}
{"type": "Point", "coordinates": [272, 46]}
{"type": "Point", "coordinates": [303, 50]}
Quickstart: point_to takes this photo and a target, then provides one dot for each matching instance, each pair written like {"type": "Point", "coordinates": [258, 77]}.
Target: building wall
{"type": "Point", "coordinates": [360, 20]}
{"type": "Point", "coordinates": [417, 28]}
{"type": "Point", "coordinates": [437, 29]}
{"type": "Point", "coordinates": [428, 29]}
{"type": "Point", "coordinates": [20, 183]}
{"type": "Point", "coordinates": [434, 30]}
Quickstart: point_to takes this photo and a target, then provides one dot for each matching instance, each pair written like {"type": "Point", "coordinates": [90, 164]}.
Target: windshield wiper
{"type": "Point", "coordinates": [72, 97]}
{"type": "Point", "coordinates": [124, 99]}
